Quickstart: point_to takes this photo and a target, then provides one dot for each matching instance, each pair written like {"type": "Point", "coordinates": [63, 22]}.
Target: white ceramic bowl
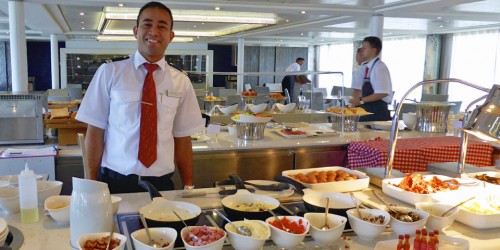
{"type": "Point", "coordinates": [244, 118]}
{"type": "Point", "coordinates": [216, 245]}
{"type": "Point", "coordinates": [115, 202]}
{"type": "Point", "coordinates": [329, 236]}
{"type": "Point", "coordinates": [285, 239]}
{"type": "Point", "coordinates": [401, 227]}
{"type": "Point", "coordinates": [95, 236]}
{"type": "Point", "coordinates": [435, 210]}
{"type": "Point", "coordinates": [259, 108]}
{"type": "Point", "coordinates": [58, 207]}
{"type": "Point", "coordinates": [47, 189]}
{"type": "Point", "coordinates": [410, 120]}
{"type": "Point", "coordinates": [9, 199]}
{"type": "Point", "coordinates": [366, 230]}
{"type": "Point", "coordinates": [285, 108]}
{"type": "Point", "coordinates": [228, 110]}
{"type": "Point", "coordinates": [260, 233]}
{"type": "Point", "coordinates": [13, 179]}
{"type": "Point", "coordinates": [162, 235]}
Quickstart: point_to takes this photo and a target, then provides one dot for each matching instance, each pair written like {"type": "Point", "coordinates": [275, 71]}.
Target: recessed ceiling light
{"type": "Point", "coordinates": [303, 12]}
{"type": "Point", "coordinates": [441, 26]}
{"type": "Point", "coordinates": [83, 28]}
{"type": "Point", "coordinates": [202, 23]}
{"type": "Point", "coordinates": [439, 18]}
{"type": "Point", "coordinates": [301, 34]}
{"type": "Point", "coordinates": [194, 26]}
{"type": "Point", "coordinates": [287, 20]}
{"type": "Point", "coordinates": [121, 4]}
{"type": "Point", "coordinates": [82, 14]}
{"type": "Point", "coordinates": [217, 8]}
{"type": "Point", "coordinates": [82, 22]}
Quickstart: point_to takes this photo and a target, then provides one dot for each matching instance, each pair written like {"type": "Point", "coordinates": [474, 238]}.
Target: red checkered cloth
{"type": "Point", "coordinates": [414, 154]}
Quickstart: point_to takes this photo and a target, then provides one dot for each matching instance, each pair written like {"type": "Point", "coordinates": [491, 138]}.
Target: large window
{"type": "Point", "coordinates": [474, 58]}
{"type": "Point", "coordinates": [405, 58]}
{"type": "Point", "coordinates": [335, 57]}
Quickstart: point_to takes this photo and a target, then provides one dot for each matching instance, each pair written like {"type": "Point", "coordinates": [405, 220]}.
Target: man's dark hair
{"type": "Point", "coordinates": [299, 59]}
{"type": "Point", "coordinates": [156, 5]}
{"type": "Point", "coordinates": [374, 42]}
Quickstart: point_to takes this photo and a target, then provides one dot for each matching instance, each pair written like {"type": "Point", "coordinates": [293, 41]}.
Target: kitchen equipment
{"type": "Point", "coordinates": [28, 196]}
{"type": "Point", "coordinates": [404, 217]}
{"type": "Point", "coordinates": [109, 241]}
{"type": "Point", "coordinates": [432, 116]}
{"type": "Point", "coordinates": [285, 239]}
{"type": "Point", "coordinates": [315, 201]}
{"type": "Point", "coordinates": [159, 213]}
{"type": "Point", "coordinates": [350, 122]}
{"type": "Point", "coordinates": [99, 236]}
{"type": "Point", "coordinates": [90, 209]}
{"type": "Point", "coordinates": [365, 229]}
{"type": "Point", "coordinates": [333, 233]}
{"type": "Point", "coordinates": [406, 227]}
{"type": "Point", "coordinates": [21, 116]}
{"type": "Point", "coordinates": [250, 131]}
{"type": "Point", "coordinates": [435, 210]}
{"type": "Point", "coordinates": [459, 204]}
{"type": "Point", "coordinates": [326, 226]}
{"type": "Point", "coordinates": [163, 235]}
{"type": "Point", "coordinates": [256, 241]}
{"type": "Point", "coordinates": [245, 205]}
{"type": "Point", "coordinates": [191, 235]}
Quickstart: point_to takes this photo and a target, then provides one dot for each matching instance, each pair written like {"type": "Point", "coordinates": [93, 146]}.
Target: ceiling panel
{"type": "Point", "coordinates": [328, 20]}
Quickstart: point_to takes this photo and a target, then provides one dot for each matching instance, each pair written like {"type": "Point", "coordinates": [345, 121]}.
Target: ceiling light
{"type": "Point", "coordinates": [194, 26]}
{"type": "Point", "coordinates": [303, 12]}
{"type": "Point", "coordinates": [131, 38]}
{"type": "Point", "coordinates": [441, 26]}
{"type": "Point", "coordinates": [439, 18]}
{"type": "Point", "coordinates": [287, 20]}
{"type": "Point", "coordinates": [83, 28]}
{"type": "Point", "coordinates": [82, 14]}
{"type": "Point", "coordinates": [301, 34]}
{"type": "Point", "coordinates": [217, 8]}
{"type": "Point", "coordinates": [82, 22]}
{"type": "Point", "coordinates": [121, 4]}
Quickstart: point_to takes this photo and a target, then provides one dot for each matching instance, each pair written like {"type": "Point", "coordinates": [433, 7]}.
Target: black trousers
{"type": "Point", "coordinates": [118, 183]}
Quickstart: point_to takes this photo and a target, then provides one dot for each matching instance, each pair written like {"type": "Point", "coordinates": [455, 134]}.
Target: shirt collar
{"type": "Point", "coordinates": [140, 60]}
{"type": "Point", "coordinates": [371, 62]}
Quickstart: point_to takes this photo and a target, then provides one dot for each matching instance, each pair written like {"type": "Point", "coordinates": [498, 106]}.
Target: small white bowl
{"type": "Point", "coordinates": [216, 245]}
{"type": "Point", "coordinates": [161, 235]}
{"type": "Point", "coordinates": [58, 207]}
{"type": "Point", "coordinates": [14, 179]}
{"type": "Point", "coordinates": [285, 239]}
{"type": "Point", "coordinates": [366, 230]}
{"type": "Point", "coordinates": [9, 199]}
{"type": "Point", "coordinates": [228, 110]}
{"type": "Point", "coordinates": [285, 108]}
{"type": "Point", "coordinates": [410, 120]}
{"type": "Point", "coordinates": [115, 202]}
{"type": "Point", "coordinates": [47, 189]}
{"type": "Point", "coordinates": [435, 210]}
{"type": "Point", "coordinates": [95, 236]}
{"type": "Point", "coordinates": [260, 233]}
{"type": "Point", "coordinates": [401, 227]}
{"type": "Point", "coordinates": [259, 108]}
{"type": "Point", "coordinates": [329, 236]}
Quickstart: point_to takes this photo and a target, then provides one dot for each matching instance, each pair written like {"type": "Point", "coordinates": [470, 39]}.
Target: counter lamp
{"type": "Point", "coordinates": [484, 122]}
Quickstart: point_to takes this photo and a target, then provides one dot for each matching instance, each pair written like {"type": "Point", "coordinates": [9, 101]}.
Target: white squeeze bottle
{"type": "Point", "coordinates": [28, 196]}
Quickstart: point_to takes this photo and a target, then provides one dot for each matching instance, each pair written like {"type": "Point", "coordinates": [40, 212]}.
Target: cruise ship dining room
{"type": "Point", "coordinates": [249, 124]}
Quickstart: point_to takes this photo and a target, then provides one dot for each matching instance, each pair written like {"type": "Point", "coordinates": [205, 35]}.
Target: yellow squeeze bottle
{"type": "Point", "coordinates": [28, 196]}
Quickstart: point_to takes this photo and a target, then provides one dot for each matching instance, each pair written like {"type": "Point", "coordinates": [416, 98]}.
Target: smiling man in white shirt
{"type": "Point", "coordinates": [114, 104]}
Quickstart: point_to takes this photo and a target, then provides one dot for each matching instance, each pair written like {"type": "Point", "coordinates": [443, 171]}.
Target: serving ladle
{"type": "Point", "coordinates": [191, 235]}
{"type": "Point", "coordinates": [403, 217]}
{"type": "Point", "coordinates": [151, 242]}
{"type": "Point", "coordinates": [356, 204]}
{"type": "Point", "coordinates": [281, 223]}
{"type": "Point", "coordinates": [241, 229]}
{"type": "Point", "coordinates": [326, 226]}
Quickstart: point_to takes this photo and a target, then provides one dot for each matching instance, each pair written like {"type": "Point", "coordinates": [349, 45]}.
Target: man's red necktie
{"type": "Point", "coordinates": [366, 72]}
{"type": "Point", "coordinates": [149, 120]}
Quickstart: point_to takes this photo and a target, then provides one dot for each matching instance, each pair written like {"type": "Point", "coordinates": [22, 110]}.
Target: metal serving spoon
{"type": "Point", "coordinates": [356, 204]}
{"type": "Point", "coordinates": [270, 187]}
{"type": "Point", "coordinates": [151, 242]}
{"type": "Point", "coordinates": [326, 226]}
{"type": "Point", "coordinates": [241, 229]}
{"type": "Point", "coordinates": [278, 219]}
{"type": "Point", "coordinates": [403, 217]}
{"type": "Point", "coordinates": [192, 236]}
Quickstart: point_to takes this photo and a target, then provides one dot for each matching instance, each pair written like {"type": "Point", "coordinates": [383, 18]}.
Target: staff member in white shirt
{"type": "Point", "coordinates": [112, 109]}
{"type": "Point", "coordinates": [289, 81]}
{"type": "Point", "coordinates": [374, 92]}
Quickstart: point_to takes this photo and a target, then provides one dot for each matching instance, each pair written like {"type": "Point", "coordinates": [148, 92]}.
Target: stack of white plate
{"type": "Point", "coordinates": [4, 230]}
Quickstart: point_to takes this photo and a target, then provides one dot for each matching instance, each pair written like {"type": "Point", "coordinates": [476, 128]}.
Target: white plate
{"type": "Point", "coordinates": [279, 132]}
{"type": "Point", "coordinates": [274, 194]}
{"type": "Point", "coordinates": [340, 186]}
{"type": "Point", "coordinates": [199, 138]}
{"type": "Point", "coordinates": [411, 197]}
{"type": "Point", "coordinates": [385, 125]}
{"type": "Point", "coordinates": [3, 226]}
{"type": "Point", "coordinates": [445, 243]}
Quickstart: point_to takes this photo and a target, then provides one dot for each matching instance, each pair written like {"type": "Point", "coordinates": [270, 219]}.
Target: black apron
{"type": "Point", "coordinates": [378, 108]}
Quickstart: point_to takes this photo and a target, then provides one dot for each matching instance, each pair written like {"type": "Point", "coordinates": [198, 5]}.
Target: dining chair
{"type": "Point", "coordinates": [259, 99]}
{"type": "Point", "coordinates": [262, 90]}
{"type": "Point", "coordinates": [287, 96]}
{"type": "Point", "coordinates": [227, 92]}
{"type": "Point", "coordinates": [317, 102]}
{"type": "Point", "coordinates": [215, 90]}
{"type": "Point", "coordinates": [248, 87]}
{"type": "Point", "coordinates": [233, 99]}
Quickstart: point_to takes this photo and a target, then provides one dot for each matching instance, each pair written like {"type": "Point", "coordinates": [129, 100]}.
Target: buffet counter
{"type": "Point", "coordinates": [47, 235]}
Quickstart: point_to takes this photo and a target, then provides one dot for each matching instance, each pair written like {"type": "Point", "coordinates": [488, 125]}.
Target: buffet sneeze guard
{"type": "Point", "coordinates": [484, 120]}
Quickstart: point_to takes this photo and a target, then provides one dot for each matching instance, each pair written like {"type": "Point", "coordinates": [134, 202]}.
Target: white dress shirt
{"type": "Point", "coordinates": [113, 102]}
{"type": "Point", "coordinates": [380, 78]}
{"type": "Point", "coordinates": [294, 67]}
